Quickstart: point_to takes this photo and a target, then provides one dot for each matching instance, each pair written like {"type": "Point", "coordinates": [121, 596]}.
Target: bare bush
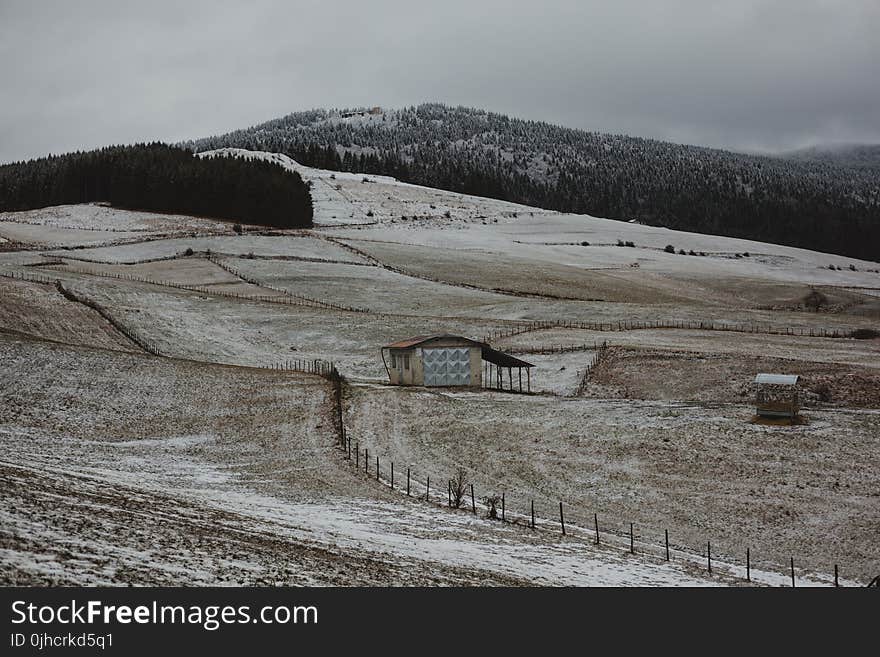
{"type": "Point", "coordinates": [458, 487]}
{"type": "Point", "coordinates": [492, 503]}
{"type": "Point", "coordinates": [823, 392]}
{"type": "Point", "coordinates": [815, 300]}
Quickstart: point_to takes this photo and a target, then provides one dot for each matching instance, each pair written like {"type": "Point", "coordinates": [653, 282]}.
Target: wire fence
{"type": "Point", "coordinates": [529, 512]}
{"type": "Point", "coordinates": [249, 279]}
{"type": "Point", "coordinates": [282, 298]}
{"type": "Point", "coordinates": [690, 325]}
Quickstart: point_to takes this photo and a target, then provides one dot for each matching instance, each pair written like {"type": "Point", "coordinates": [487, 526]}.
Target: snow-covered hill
{"type": "Point", "coordinates": [814, 204]}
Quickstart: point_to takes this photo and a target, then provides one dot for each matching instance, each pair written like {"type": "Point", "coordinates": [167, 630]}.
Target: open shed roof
{"type": "Point", "coordinates": [501, 359]}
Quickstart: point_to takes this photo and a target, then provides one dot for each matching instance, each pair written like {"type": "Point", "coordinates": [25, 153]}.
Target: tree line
{"type": "Point", "coordinates": [160, 178]}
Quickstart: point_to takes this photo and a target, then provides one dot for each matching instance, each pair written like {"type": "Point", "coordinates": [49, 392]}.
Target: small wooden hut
{"type": "Point", "coordinates": [777, 395]}
{"type": "Point", "coordinates": [453, 360]}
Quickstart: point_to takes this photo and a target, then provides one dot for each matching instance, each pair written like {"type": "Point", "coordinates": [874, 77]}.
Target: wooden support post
{"type": "Point", "coordinates": [533, 514]}
{"type": "Point", "coordinates": [748, 565]}
{"type": "Point", "coordinates": [407, 482]}
{"type": "Point", "coordinates": [632, 544]}
{"type": "Point", "coordinates": [561, 519]}
{"type": "Point", "coordinates": [667, 544]}
{"type": "Point", "coordinates": [596, 523]}
{"type": "Point", "coordinates": [792, 572]}
{"type": "Point", "coordinates": [473, 501]}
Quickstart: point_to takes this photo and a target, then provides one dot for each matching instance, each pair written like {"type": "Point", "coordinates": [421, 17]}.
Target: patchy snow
{"type": "Point", "coordinates": [292, 246]}
{"type": "Point", "coordinates": [132, 469]}
{"type": "Point", "coordinates": [102, 217]}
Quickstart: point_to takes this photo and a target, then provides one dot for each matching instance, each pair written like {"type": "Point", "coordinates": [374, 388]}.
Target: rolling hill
{"type": "Point", "coordinates": [815, 204]}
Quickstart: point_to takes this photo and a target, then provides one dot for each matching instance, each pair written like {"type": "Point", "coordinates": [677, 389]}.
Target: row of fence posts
{"type": "Point", "coordinates": [314, 366]}
{"type": "Point", "coordinates": [293, 299]}
{"type": "Point", "coordinates": [289, 299]}
{"type": "Point", "coordinates": [533, 524]}
{"type": "Point", "coordinates": [320, 304]}
{"type": "Point", "coordinates": [601, 351]}
{"type": "Point", "coordinates": [631, 325]}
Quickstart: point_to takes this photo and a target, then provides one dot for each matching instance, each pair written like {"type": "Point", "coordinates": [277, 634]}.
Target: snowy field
{"type": "Point", "coordinates": [704, 472]}
{"type": "Point", "coordinates": [102, 218]}
{"type": "Point", "coordinates": [173, 483]}
{"type": "Point", "coordinates": [230, 467]}
{"type": "Point", "coordinates": [291, 246]}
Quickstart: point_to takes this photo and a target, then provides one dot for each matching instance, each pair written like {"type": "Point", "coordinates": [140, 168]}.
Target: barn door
{"type": "Point", "coordinates": [447, 366]}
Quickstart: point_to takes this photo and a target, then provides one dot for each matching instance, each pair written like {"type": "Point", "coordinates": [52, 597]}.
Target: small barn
{"type": "Point", "coordinates": [453, 360]}
{"type": "Point", "coordinates": [777, 395]}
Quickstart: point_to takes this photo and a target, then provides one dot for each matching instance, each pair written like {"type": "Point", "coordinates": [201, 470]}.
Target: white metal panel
{"type": "Point", "coordinates": [777, 379]}
{"type": "Point", "coordinates": [447, 366]}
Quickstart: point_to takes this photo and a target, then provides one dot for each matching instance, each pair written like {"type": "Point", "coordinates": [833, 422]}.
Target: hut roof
{"type": "Point", "coordinates": [777, 379]}
{"type": "Point", "coordinates": [488, 353]}
{"type": "Point", "coordinates": [421, 339]}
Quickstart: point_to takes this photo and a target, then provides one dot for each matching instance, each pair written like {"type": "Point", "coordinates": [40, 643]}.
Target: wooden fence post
{"type": "Point", "coordinates": [632, 544]}
{"type": "Point", "coordinates": [667, 544]}
{"type": "Point", "coordinates": [561, 518]}
{"type": "Point", "coordinates": [596, 523]}
{"type": "Point", "coordinates": [473, 501]}
{"type": "Point", "coordinates": [792, 572]}
{"type": "Point", "coordinates": [407, 482]}
{"type": "Point", "coordinates": [428, 490]}
{"type": "Point", "coordinates": [503, 519]}
{"type": "Point", "coordinates": [748, 565]}
{"type": "Point", "coordinates": [709, 555]}
{"type": "Point", "coordinates": [392, 474]}
{"type": "Point", "coordinates": [366, 459]}
{"type": "Point", "coordinates": [836, 584]}
{"type": "Point", "coordinates": [377, 468]}
{"type": "Point", "coordinates": [533, 514]}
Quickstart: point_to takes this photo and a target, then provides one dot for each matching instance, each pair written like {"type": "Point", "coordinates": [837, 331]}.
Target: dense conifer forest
{"type": "Point", "coordinates": [816, 204]}
{"type": "Point", "coordinates": [161, 178]}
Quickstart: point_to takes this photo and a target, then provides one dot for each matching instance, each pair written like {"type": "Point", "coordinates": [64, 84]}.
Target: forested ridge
{"type": "Point", "coordinates": [161, 178]}
{"type": "Point", "coordinates": [813, 204]}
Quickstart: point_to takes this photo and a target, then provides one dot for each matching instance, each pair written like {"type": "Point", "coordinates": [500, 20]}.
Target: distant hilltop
{"type": "Point", "coordinates": [820, 203]}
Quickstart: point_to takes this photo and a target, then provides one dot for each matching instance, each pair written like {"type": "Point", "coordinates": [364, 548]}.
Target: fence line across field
{"type": "Point", "coordinates": [627, 540]}
{"type": "Point", "coordinates": [292, 299]}
{"type": "Point", "coordinates": [689, 325]}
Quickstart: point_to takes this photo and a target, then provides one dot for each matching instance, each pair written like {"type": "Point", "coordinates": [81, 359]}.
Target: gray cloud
{"type": "Point", "coordinates": [752, 74]}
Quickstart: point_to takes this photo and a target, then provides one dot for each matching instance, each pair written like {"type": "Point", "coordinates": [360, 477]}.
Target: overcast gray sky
{"type": "Point", "coordinates": [744, 74]}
